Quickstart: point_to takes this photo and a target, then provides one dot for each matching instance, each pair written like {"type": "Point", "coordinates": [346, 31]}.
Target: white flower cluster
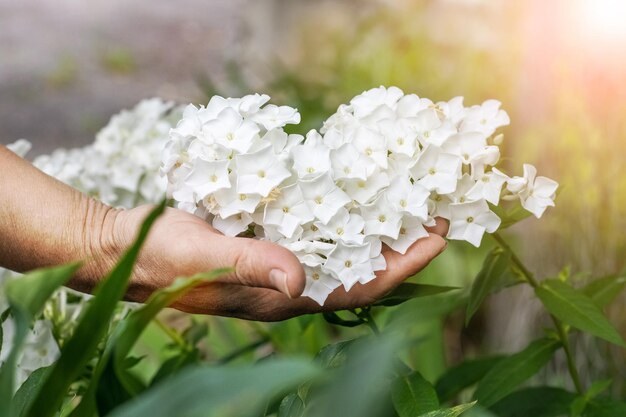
{"type": "Point", "coordinates": [379, 171]}
{"type": "Point", "coordinates": [121, 166]}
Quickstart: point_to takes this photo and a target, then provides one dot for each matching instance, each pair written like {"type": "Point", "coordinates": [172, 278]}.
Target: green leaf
{"type": "Point", "coordinates": [333, 318]}
{"type": "Point", "coordinates": [27, 296]}
{"type": "Point", "coordinates": [604, 290]}
{"type": "Point", "coordinates": [219, 391]}
{"type": "Point", "coordinates": [576, 309]}
{"type": "Point", "coordinates": [361, 385]}
{"type": "Point", "coordinates": [510, 372]}
{"type": "Point", "coordinates": [605, 407]}
{"type": "Point", "coordinates": [412, 395]}
{"type": "Point", "coordinates": [450, 412]}
{"type": "Point", "coordinates": [118, 386]}
{"type": "Point", "coordinates": [81, 347]}
{"type": "Point", "coordinates": [495, 274]}
{"type": "Point", "coordinates": [291, 406]}
{"type": "Point", "coordinates": [334, 355]}
{"type": "Point", "coordinates": [535, 402]}
{"type": "Point", "coordinates": [28, 389]}
{"type": "Point", "coordinates": [464, 375]}
{"type": "Point", "coordinates": [408, 290]}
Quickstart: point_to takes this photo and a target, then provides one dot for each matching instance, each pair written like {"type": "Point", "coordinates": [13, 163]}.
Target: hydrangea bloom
{"type": "Point", "coordinates": [378, 171]}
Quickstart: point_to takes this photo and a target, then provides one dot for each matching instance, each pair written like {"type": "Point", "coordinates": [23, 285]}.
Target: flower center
{"type": "Point", "coordinates": [462, 199]}
{"type": "Point", "coordinates": [402, 203]}
{"type": "Point", "coordinates": [230, 136]}
{"type": "Point", "coordinates": [400, 141]}
{"type": "Point", "coordinates": [348, 263]}
{"type": "Point", "coordinates": [314, 228]}
{"type": "Point", "coordinates": [361, 184]}
{"type": "Point", "coordinates": [285, 209]}
{"type": "Point", "coordinates": [347, 170]}
{"type": "Point", "coordinates": [310, 170]}
{"type": "Point", "coordinates": [382, 218]}
{"type": "Point", "coordinates": [402, 231]}
{"type": "Point", "coordinates": [319, 200]}
{"type": "Point", "coordinates": [427, 134]}
{"type": "Point", "coordinates": [261, 174]}
{"type": "Point", "coordinates": [485, 179]}
{"type": "Point", "coordinates": [340, 231]}
{"type": "Point", "coordinates": [470, 219]}
{"type": "Point", "coordinates": [369, 152]}
{"type": "Point", "coordinates": [315, 276]}
{"type": "Point", "coordinates": [213, 178]}
{"type": "Point", "coordinates": [242, 197]}
{"type": "Point", "coordinates": [432, 171]}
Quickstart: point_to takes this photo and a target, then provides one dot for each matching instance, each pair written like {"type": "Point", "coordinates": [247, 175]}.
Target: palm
{"type": "Point", "coordinates": [181, 244]}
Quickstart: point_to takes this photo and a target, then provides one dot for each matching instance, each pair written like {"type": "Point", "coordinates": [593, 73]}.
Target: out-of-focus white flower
{"type": "Point", "coordinates": [485, 118]}
{"type": "Point", "coordinates": [469, 221]}
{"type": "Point", "coordinates": [20, 147]}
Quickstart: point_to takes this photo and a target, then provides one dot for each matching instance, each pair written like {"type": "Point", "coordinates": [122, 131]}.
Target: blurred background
{"type": "Point", "coordinates": [558, 67]}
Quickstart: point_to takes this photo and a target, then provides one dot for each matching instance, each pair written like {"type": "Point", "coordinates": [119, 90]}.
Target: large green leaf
{"type": "Point", "coordinates": [412, 395]}
{"type": "Point", "coordinates": [604, 290]}
{"type": "Point", "coordinates": [535, 402]}
{"type": "Point", "coordinates": [93, 325]}
{"type": "Point", "coordinates": [219, 391]}
{"type": "Point", "coordinates": [605, 407]}
{"type": "Point", "coordinates": [494, 275]}
{"type": "Point", "coordinates": [291, 406]}
{"type": "Point", "coordinates": [450, 412]}
{"type": "Point", "coordinates": [360, 387]}
{"type": "Point", "coordinates": [576, 309]}
{"type": "Point", "coordinates": [27, 296]}
{"type": "Point", "coordinates": [464, 375]}
{"type": "Point", "coordinates": [408, 290]}
{"type": "Point", "coordinates": [28, 389]}
{"type": "Point", "coordinates": [510, 372]}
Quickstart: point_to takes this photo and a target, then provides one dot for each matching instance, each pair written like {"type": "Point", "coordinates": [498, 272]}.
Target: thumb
{"type": "Point", "coordinates": [260, 263]}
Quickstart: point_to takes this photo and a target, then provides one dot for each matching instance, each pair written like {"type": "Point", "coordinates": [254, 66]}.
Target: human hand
{"type": "Point", "coordinates": [268, 278]}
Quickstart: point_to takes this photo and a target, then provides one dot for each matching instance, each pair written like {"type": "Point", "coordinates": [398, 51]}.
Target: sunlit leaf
{"type": "Point", "coordinates": [604, 290]}
{"type": "Point", "coordinates": [511, 371]}
{"type": "Point", "coordinates": [576, 309]}
{"type": "Point", "coordinates": [450, 412]}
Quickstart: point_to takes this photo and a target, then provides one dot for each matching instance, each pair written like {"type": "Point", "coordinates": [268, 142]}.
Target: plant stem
{"type": "Point", "coordinates": [562, 332]}
{"type": "Point", "coordinates": [367, 316]}
{"type": "Point", "coordinates": [176, 338]}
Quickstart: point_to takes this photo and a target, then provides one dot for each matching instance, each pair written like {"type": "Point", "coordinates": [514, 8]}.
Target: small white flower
{"type": "Point", "coordinates": [233, 225]}
{"type": "Point", "coordinates": [272, 117]}
{"type": "Point", "coordinates": [350, 263]}
{"type": "Point", "coordinates": [259, 172]}
{"type": "Point", "coordinates": [365, 191]}
{"type": "Point", "coordinates": [368, 101]}
{"type": "Point", "coordinates": [431, 130]}
{"type": "Point", "coordinates": [485, 118]}
{"type": "Point", "coordinates": [343, 226]}
{"type": "Point", "coordinates": [319, 284]}
{"type": "Point", "coordinates": [207, 177]}
{"type": "Point", "coordinates": [231, 202]}
{"type": "Point", "coordinates": [288, 211]}
{"type": "Point", "coordinates": [231, 131]}
{"type": "Point", "coordinates": [436, 170]}
{"type": "Point", "coordinates": [408, 197]}
{"type": "Point", "coordinates": [488, 186]}
{"type": "Point", "coordinates": [536, 193]}
{"type": "Point", "coordinates": [323, 197]}
{"type": "Point", "coordinates": [381, 219]}
{"type": "Point", "coordinates": [348, 163]}
{"type": "Point", "coordinates": [411, 230]}
{"type": "Point", "coordinates": [399, 135]}
{"type": "Point", "coordinates": [469, 221]}
{"type": "Point", "coordinates": [311, 158]}
{"type": "Point", "coordinates": [372, 145]}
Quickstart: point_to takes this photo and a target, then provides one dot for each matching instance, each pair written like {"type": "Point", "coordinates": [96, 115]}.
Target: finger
{"type": "Point", "coordinates": [260, 263]}
{"type": "Point", "coordinates": [416, 258]}
{"type": "Point", "coordinates": [440, 228]}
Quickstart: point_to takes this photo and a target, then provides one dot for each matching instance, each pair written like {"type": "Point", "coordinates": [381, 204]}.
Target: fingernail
{"type": "Point", "coordinates": [279, 279]}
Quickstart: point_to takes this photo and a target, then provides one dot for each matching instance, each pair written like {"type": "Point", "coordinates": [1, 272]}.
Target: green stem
{"type": "Point", "coordinates": [365, 314]}
{"type": "Point", "coordinates": [176, 338]}
{"type": "Point", "coordinates": [562, 332]}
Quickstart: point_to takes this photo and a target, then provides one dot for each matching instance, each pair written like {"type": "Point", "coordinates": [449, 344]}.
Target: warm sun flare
{"type": "Point", "coordinates": [603, 20]}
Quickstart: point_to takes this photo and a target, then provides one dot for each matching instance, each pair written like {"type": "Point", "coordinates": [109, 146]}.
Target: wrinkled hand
{"type": "Point", "coordinates": [268, 278]}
